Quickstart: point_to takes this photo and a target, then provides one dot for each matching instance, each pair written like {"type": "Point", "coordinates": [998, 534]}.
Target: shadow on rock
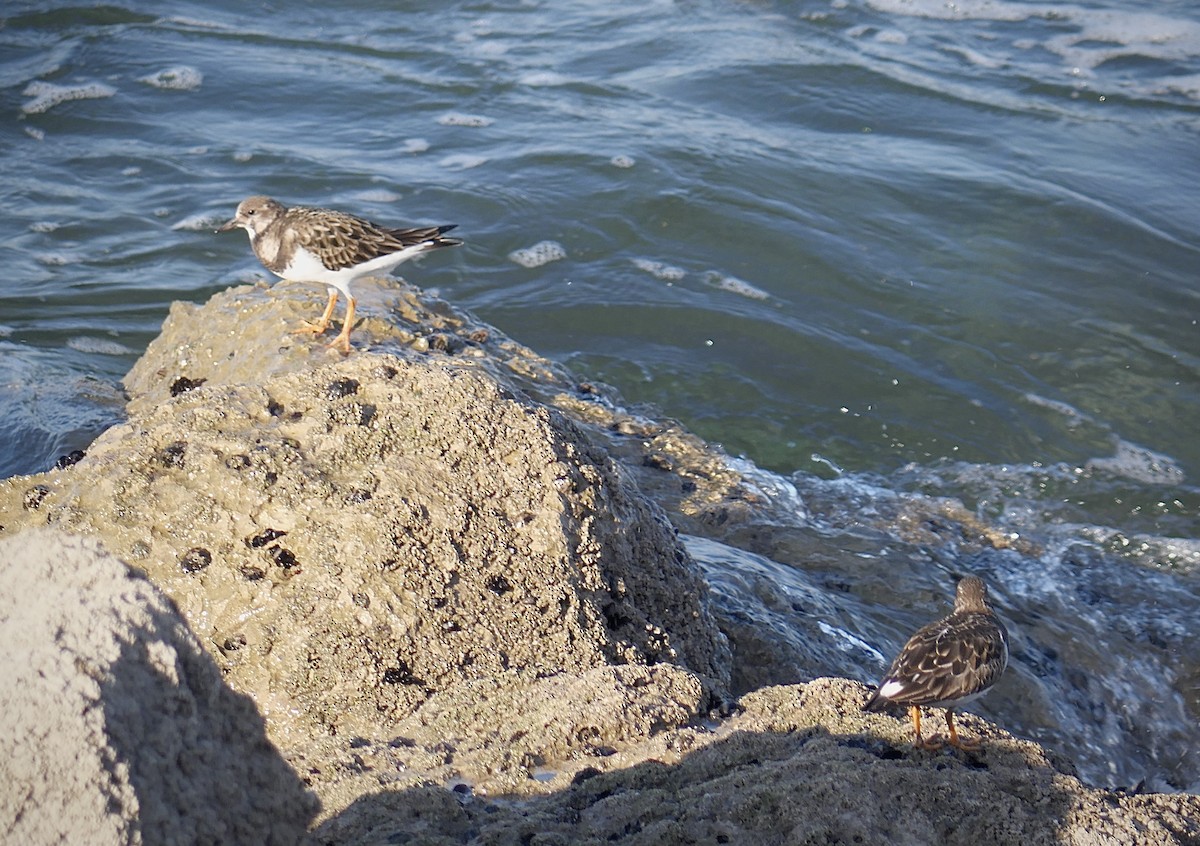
{"type": "Point", "coordinates": [805, 786]}
{"type": "Point", "coordinates": [119, 726]}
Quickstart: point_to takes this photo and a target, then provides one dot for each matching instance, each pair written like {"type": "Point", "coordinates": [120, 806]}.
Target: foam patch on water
{"type": "Point", "coordinates": [1073, 415]}
{"type": "Point", "coordinates": [1140, 464]}
{"type": "Point", "coordinates": [47, 95]}
{"type": "Point", "coordinates": [735, 286]}
{"type": "Point", "coordinates": [544, 79]}
{"type": "Point", "coordinates": [5, 331]}
{"type": "Point", "coordinates": [622, 161]}
{"type": "Point", "coordinates": [178, 78]}
{"type": "Point", "coordinates": [200, 222]}
{"type": "Point", "coordinates": [459, 119]}
{"type": "Point", "coordinates": [377, 195]}
{"type": "Point", "coordinates": [660, 270]}
{"type": "Point", "coordinates": [1097, 35]}
{"type": "Point", "coordinates": [98, 346]}
{"type": "Point", "coordinates": [543, 252]}
{"type": "Point", "coordinates": [462, 161]}
{"type": "Point", "coordinates": [414, 145]}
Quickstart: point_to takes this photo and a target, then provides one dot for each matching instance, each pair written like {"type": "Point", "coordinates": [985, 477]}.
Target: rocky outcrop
{"type": "Point", "coordinates": [357, 534]}
{"type": "Point", "coordinates": [433, 569]}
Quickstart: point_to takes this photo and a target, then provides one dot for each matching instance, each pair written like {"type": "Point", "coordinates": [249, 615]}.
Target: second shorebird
{"type": "Point", "coordinates": [323, 245]}
{"type": "Point", "coordinates": [948, 663]}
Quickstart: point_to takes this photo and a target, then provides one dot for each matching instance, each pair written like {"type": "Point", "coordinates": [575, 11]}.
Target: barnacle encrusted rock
{"type": "Point", "coordinates": [350, 536]}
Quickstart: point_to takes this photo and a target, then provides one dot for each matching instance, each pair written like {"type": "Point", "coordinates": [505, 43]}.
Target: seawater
{"type": "Point", "coordinates": [874, 248]}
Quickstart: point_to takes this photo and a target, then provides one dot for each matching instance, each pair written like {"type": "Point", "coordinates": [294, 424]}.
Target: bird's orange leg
{"type": "Point", "coordinates": [914, 711]}
{"type": "Point", "coordinates": [322, 324]}
{"type": "Point", "coordinates": [955, 741]}
{"type": "Point", "coordinates": [342, 341]}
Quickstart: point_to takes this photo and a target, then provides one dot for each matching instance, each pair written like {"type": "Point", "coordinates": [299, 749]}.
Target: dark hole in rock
{"type": "Point", "coordinates": [285, 558]}
{"type": "Point", "coordinates": [237, 462]}
{"type": "Point", "coordinates": [400, 674]}
{"type": "Point", "coordinates": [234, 642]}
{"type": "Point", "coordinates": [183, 384]}
{"type": "Point", "coordinates": [498, 585]}
{"type": "Point", "coordinates": [264, 537]}
{"type": "Point", "coordinates": [195, 559]}
{"type": "Point", "coordinates": [72, 457]}
{"type": "Point", "coordinates": [172, 454]}
{"type": "Point", "coordinates": [253, 574]}
{"type": "Point", "coordinates": [341, 388]}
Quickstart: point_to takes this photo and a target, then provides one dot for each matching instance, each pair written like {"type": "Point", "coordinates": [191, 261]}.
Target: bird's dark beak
{"type": "Point", "coordinates": [225, 227]}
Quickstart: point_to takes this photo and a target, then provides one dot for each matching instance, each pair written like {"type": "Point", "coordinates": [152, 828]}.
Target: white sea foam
{"type": "Point", "coordinates": [178, 78]}
{"type": "Point", "coordinates": [462, 161]}
{"type": "Point", "coordinates": [622, 161]}
{"type": "Point", "coordinates": [660, 270]}
{"type": "Point", "coordinates": [735, 286]}
{"type": "Point", "coordinates": [1131, 461]}
{"type": "Point", "coordinates": [200, 222]}
{"type": "Point", "coordinates": [543, 79]}
{"type": "Point", "coordinates": [459, 119]}
{"type": "Point", "coordinates": [47, 95]}
{"type": "Point", "coordinates": [543, 252]}
{"type": "Point", "coordinates": [377, 195]}
{"type": "Point", "coordinates": [35, 133]}
{"type": "Point", "coordinates": [414, 145]}
{"type": "Point", "coordinates": [5, 331]}
{"type": "Point", "coordinates": [1095, 36]}
{"type": "Point", "coordinates": [1074, 416]}
{"type": "Point", "coordinates": [98, 346]}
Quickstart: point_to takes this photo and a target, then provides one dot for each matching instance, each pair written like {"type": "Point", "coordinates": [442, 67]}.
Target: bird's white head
{"type": "Point", "coordinates": [254, 214]}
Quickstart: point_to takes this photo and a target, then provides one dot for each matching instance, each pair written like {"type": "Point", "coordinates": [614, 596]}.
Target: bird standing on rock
{"type": "Point", "coordinates": [323, 245]}
{"type": "Point", "coordinates": [948, 663]}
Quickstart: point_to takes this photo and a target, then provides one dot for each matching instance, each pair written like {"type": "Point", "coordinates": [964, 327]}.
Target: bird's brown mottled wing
{"type": "Point", "coordinates": [342, 240]}
{"type": "Point", "coordinates": [950, 659]}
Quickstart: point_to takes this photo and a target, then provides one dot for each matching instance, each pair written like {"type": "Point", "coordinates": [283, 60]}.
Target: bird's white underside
{"type": "Point", "coordinates": [306, 267]}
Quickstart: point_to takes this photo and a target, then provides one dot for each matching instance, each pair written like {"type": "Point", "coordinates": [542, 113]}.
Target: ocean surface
{"type": "Point", "coordinates": [876, 249]}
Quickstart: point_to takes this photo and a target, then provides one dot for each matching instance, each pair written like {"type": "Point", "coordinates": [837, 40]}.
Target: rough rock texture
{"type": "Point", "coordinates": [351, 537]}
{"type": "Point", "coordinates": [427, 566]}
{"type": "Point", "coordinates": [117, 726]}
{"type": "Point", "coordinates": [797, 765]}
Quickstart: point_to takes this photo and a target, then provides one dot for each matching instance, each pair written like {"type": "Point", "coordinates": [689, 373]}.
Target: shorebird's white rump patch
{"type": "Point", "coordinates": [891, 689]}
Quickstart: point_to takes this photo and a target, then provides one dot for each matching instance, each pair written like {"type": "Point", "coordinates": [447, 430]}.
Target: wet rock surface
{"type": "Point", "coordinates": [443, 571]}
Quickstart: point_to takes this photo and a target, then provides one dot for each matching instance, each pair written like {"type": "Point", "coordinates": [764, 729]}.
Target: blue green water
{"type": "Point", "coordinates": [908, 245]}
